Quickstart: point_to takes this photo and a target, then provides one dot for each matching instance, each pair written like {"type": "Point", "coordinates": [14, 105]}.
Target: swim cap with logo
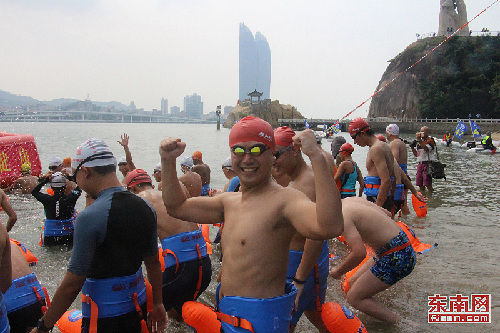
{"type": "Point", "coordinates": [25, 168]}
{"type": "Point", "coordinates": [392, 129]}
{"type": "Point", "coordinates": [57, 180]}
{"type": "Point", "coordinates": [137, 176]}
{"type": "Point", "coordinates": [346, 148]}
{"type": "Point", "coordinates": [93, 153]}
{"type": "Point", "coordinates": [283, 136]}
{"type": "Point", "coordinates": [252, 129]}
{"type": "Point", "coordinates": [358, 125]}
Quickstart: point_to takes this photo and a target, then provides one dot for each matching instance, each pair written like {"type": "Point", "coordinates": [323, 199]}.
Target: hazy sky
{"type": "Point", "coordinates": [327, 56]}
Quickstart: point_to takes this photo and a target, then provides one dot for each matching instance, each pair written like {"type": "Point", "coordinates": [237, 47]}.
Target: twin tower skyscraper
{"type": "Point", "coordinates": [255, 64]}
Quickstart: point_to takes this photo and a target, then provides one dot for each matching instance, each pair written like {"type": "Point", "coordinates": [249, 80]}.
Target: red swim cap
{"type": "Point", "coordinates": [252, 129]}
{"type": "Point", "coordinates": [197, 155]}
{"type": "Point", "coordinates": [283, 136]}
{"type": "Point", "coordinates": [346, 148]}
{"type": "Point", "coordinates": [136, 177]}
{"type": "Point", "coordinates": [358, 125]}
{"type": "Point", "coordinates": [381, 137]}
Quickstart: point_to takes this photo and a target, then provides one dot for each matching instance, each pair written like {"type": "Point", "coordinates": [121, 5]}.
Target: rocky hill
{"type": "Point", "coordinates": [462, 76]}
{"type": "Point", "coordinates": [267, 110]}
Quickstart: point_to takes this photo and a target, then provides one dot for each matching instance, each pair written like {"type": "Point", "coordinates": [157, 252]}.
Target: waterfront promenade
{"type": "Point", "coordinates": [406, 125]}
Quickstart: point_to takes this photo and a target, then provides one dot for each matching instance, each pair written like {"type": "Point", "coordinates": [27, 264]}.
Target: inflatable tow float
{"type": "Point", "coordinates": [16, 150]}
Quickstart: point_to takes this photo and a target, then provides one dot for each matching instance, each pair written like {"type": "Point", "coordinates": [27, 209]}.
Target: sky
{"type": "Point", "coordinates": [327, 56]}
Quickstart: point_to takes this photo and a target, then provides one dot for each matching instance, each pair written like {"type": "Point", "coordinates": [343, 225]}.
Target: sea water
{"type": "Point", "coordinates": [463, 216]}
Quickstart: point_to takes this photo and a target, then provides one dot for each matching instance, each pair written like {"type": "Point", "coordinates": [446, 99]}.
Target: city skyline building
{"type": "Point", "coordinates": [175, 110]}
{"type": "Point", "coordinates": [164, 106]}
{"type": "Point", "coordinates": [193, 106]}
{"type": "Point", "coordinates": [254, 64]}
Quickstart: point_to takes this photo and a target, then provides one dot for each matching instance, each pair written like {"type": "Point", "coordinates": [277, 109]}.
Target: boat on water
{"type": "Point", "coordinates": [481, 150]}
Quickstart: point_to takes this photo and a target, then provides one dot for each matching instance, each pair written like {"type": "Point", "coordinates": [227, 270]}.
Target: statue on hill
{"type": "Point", "coordinates": [453, 15]}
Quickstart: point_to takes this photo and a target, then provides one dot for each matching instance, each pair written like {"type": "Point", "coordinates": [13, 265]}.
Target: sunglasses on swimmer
{"type": "Point", "coordinates": [254, 150]}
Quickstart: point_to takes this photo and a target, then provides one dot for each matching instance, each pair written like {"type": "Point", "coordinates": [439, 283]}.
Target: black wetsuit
{"type": "Point", "coordinates": [59, 206]}
{"type": "Point", "coordinates": [112, 238]}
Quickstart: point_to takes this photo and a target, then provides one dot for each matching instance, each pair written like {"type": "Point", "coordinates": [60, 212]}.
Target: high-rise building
{"type": "Point", "coordinates": [193, 106]}
{"type": "Point", "coordinates": [164, 106]}
{"type": "Point", "coordinates": [255, 64]}
{"type": "Point", "coordinates": [175, 110]}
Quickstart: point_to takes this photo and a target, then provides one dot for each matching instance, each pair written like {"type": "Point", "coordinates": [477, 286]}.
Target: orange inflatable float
{"type": "Point", "coordinates": [30, 257]}
{"type": "Point", "coordinates": [339, 319]}
{"type": "Point", "coordinates": [419, 207]}
{"type": "Point", "coordinates": [16, 150]}
{"type": "Point", "coordinates": [415, 242]}
{"type": "Point", "coordinates": [201, 317]}
{"type": "Point", "coordinates": [70, 322]}
{"type": "Point", "coordinates": [205, 230]}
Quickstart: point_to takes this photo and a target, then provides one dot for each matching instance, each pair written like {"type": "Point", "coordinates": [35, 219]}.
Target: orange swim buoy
{"type": "Point", "coordinates": [415, 242]}
{"type": "Point", "coordinates": [205, 230]}
{"type": "Point", "coordinates": [70, 322]}
{"type": "Point", "coordinates": [344, 283]}
{"type": "Point", "coordinates": [200, 317]}
{"type": "Point", "coordinates": [339, 319]}
{"type": "Point", "coordinates": [30, 257]}
{"type": "Point", "coordinates": [419, 207]}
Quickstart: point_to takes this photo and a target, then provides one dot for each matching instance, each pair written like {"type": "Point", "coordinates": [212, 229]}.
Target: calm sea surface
{"type": "Point", "coordinates": [463, 217]}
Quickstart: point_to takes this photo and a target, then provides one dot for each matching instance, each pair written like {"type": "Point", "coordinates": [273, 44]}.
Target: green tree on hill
{"type": "Point", "coordinates": [465, 80]}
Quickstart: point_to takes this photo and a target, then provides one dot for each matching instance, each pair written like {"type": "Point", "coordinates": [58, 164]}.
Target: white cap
{"type": "Point", "coordinates": [123, 159]}
{"type": "Point", "coordinates": [93, 153]}
{"type": "Point", "coordinates": [55, 161]}
{"type": "Point", "coordinates": [187, 161]}
{"type": "Point", "coordinates": [392, 129]}
{"type": "Point", "coordinates": [227, 163]}
{"type": "Point", "coordinates": [157, 167]}
{"type": "Point", "coordinates": [58, 180]}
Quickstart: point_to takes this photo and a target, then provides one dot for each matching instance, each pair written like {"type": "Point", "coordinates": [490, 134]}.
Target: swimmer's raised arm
{"type": "Point", "coordinates": [328, 208]}
{"type": "Point", "coordinates": [199, 210]}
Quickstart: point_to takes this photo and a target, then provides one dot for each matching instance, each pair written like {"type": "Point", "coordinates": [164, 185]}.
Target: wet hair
{"type": "Point", "coordinates": [369, 132]}
{"type": "Point", "coordinates": [105, 169]}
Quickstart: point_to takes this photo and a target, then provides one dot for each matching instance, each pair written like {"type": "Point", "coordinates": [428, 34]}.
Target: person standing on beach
{"type": "Point", "coordinates": [113, 237]}
{"type": "Point", "coordinates": [259, 224]}
{"type": "Point", "coordinates": [26, 183]}
{"type": "Point", "coordinates": [365, 223]}
{"type": "Point", "coordinates": [400, 153]}
{"type": "Point", "coordinates": [25, 300]}
{"type": "Point", "coordinates": [125, 164]}
{"type": "Point", "coordinates": [203, 170]}
{"type": "Point", "coordinates": [59, 209]}
{"type": "Point", "coordinates": [348, 173]}
{"type": "Point", "coordinates": [425, 152]}
{"type": "Point", "coordinates": [379, 184]}
{"type": "Point", "coordinates": [157, 175]}
{"type": "Point", "coordinates": [308, 259]}
{"type": "Point", "coordinates": [182, 279]}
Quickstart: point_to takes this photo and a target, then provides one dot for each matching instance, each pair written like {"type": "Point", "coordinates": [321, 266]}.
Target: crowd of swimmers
{"type": "Point", "coordinates": [276, 214]}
